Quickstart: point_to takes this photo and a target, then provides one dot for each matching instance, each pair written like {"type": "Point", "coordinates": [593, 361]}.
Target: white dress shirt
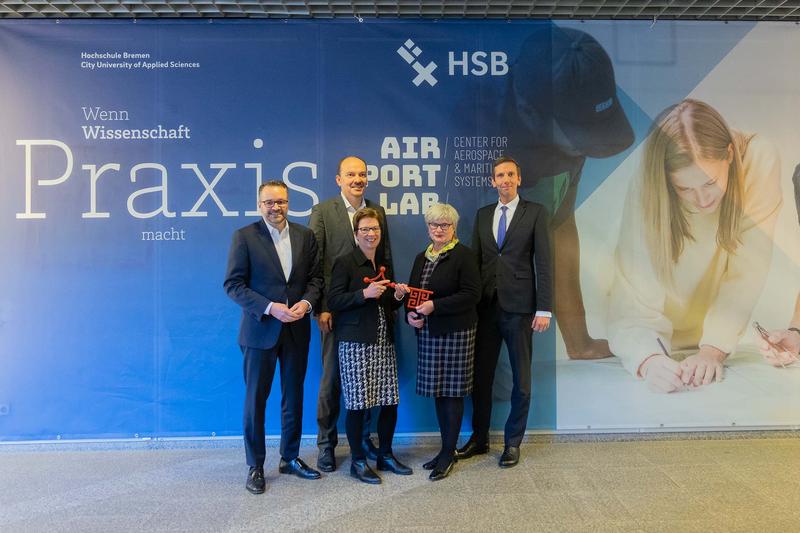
{"type": "Point", "coordinates": [512, 208]}
{"type": "Point", "coordinates": [283, 245]}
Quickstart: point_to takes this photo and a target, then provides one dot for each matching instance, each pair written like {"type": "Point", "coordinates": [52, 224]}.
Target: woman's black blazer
{"type": "Point", "coordinates": [355, 319]}
{"type": "Point", "coordinates": [456, 286]}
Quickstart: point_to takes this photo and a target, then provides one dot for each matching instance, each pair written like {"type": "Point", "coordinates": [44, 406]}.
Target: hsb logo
{"type": "Point", "coordinates": [474, 64]}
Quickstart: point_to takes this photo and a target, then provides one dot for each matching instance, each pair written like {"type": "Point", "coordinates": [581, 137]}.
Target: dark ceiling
{"type": "Point", "coordinates": [784, 10]}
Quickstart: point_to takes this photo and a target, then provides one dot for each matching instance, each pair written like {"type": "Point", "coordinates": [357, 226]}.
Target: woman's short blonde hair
{"type": "Point", "coordinates": [442, 212]}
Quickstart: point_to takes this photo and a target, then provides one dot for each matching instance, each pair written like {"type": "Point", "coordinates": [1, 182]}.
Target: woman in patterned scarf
{"type": "Point", "coordinates": [445, 325]}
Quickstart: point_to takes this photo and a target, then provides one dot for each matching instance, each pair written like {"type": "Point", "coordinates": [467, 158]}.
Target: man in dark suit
{"type": "Point", "coordinates": [274, 275]}
{"type": "Point", "coordinates": [332, 223]}
{"type": "Point", "coordinates": [512, 242]}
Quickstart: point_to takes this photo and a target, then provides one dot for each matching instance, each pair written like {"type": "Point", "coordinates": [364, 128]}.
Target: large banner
{"type": "Point", "coordinates": [130, 152]}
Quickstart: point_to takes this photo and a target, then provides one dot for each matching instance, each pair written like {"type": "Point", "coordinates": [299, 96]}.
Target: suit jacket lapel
{"type": "Point", "coordinates": [269, 246]}
{"type": "Point", "coordinates": [296, 240]}
{"type": "Point", "coordinates": [488, 230]}
{"type": "Point", "coordinates": [343, 219]}
{"type": "Point", "coordinates": [519, 212]}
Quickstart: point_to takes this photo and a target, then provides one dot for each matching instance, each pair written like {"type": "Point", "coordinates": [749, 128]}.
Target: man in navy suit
{"type": "Point", "coordinates": [274, 275]}
{"type": "Point", "coordinates": [511, 239]}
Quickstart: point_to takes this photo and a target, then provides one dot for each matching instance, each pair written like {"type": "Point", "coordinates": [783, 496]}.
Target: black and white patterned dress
{"type": "Point", "coordinates": [369, 371]}
{"type": "Point", "coordinates": [445, 364]}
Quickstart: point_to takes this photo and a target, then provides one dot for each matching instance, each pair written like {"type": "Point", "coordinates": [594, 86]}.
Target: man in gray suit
{"type": "Point", "coordinates": [332, 223]}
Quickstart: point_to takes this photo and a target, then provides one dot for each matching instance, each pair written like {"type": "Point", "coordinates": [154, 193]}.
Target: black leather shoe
{"type": "Point", "coordinates": [362, 472]}
{"type": "Point", "coordinates": [298, 468]}
{"type": "Point", "coordinates": [471, 448]}
{"type": "Point", "coordinates": [440, 473]}
{"type": "Point", "coordinates": [510, 457]}
{"type": "Point", "coordinates": [430, 465]}
{"type": "Point", "coordinates": [370, 449]}
{"type": "Point", "coordinates": [326, 460]}
{"type": "Point", "coordinates": [390, 463]}
{"type": "Point", "coordinates": [255, 480]}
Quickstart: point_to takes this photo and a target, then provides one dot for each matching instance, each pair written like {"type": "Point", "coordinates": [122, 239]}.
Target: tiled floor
{"type": "Point", "coordinates": [742, 484]}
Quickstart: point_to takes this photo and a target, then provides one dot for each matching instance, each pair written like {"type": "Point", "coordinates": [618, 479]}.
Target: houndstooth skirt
{"type": "Point", "coordinates": [445, 365]}
{"type": "Point", "coordinates": [369, 371]}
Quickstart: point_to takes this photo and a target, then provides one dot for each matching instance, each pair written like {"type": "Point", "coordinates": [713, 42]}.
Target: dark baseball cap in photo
{"type": "Point", "coordinates": [566, 73]}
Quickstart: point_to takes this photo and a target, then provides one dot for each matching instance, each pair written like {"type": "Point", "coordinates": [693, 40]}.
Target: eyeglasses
{"type": "Point", "coordinates": [371, 229]}
{"type": "Point", "coordinates": [440, 225]}
{"type": "Point", "coordinates": [279, 203]}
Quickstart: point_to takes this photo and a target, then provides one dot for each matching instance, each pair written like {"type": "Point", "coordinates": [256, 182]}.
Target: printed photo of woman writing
{"type": "Point", "coordinates": [694, 249]}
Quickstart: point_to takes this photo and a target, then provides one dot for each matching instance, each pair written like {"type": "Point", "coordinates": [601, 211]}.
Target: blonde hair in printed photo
{"type": "Point", "coordinates": [682, 134]}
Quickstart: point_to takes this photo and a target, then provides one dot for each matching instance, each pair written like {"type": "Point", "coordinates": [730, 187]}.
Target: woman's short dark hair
{"type": "Point", "coordinates": [365, 212]}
